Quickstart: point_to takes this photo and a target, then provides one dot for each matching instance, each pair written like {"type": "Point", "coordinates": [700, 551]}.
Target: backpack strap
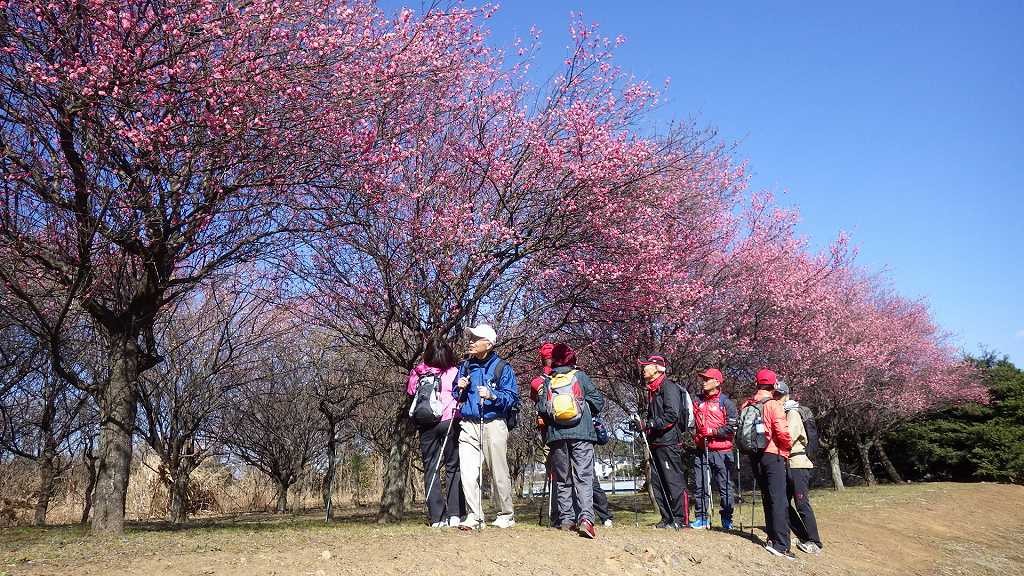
{"type": "Point", "coordinates": [463, 371]}
{"type": "Point", "coordinates": [499, 371]}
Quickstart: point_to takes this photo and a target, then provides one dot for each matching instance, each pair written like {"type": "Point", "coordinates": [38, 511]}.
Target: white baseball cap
{"type": "Point", "coordinates": [484, 331]}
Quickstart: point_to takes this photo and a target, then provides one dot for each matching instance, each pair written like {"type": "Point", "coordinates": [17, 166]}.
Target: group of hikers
{"type": "Point", "coordinates": [465, 409]}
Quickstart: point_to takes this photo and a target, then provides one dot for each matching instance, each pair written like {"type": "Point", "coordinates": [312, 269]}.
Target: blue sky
{"type": "Point", "coordinates": [901, 123]}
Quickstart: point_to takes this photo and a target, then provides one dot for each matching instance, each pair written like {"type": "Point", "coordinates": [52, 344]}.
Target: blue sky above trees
{"type": "Point", "coordinates": [899, 123]}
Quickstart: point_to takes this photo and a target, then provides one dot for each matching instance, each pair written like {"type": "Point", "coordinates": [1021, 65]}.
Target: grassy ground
{"type": "Point", "coordinates": [898, 530]}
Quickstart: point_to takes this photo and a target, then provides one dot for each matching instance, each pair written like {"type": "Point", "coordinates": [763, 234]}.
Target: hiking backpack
{"type": "Point", "coordinates": [752, 435]}
{"type": "Point", "coordinates": [687, 404]}
{"type": "Point", "coordinates": [427, 406]}
{"type": "Point", "coordinates": [811, 428]}
{"type": "Point", "coordinates": [561, 402]}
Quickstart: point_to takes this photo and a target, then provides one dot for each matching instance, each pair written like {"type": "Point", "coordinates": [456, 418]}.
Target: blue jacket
{"type": "Point", "coordinates": [480, 373]}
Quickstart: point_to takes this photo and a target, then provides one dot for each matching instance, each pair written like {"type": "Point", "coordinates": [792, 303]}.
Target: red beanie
{"type": "Point", "coordinates": [545, 350]}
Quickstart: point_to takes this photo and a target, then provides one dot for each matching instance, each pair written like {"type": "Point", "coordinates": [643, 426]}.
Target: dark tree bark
{"type": "Point", "coordinates": [890, 470]}
{"type": "Point", "coordinates": [835, 468]}
{"type": "Point", "coordinates": [396, 471]}
{"type": "Point", "coordinates": [47, 480]}
{"type": "Point", "coordinates": [332, 465]}
{"type": "Point", "coordinates": [179, 494]}
{"type": "Point", "coordinates": [864, 450]}
{"type": "Point", "coordinates": [282, 495]}
{"type": "Point", "coordinates": [90, 461]}
{"type": "Point", "coordinates": [117, 421]}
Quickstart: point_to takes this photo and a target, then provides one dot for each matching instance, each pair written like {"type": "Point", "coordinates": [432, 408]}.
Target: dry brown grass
{"type": "Point", "coordinates": [892, 530]}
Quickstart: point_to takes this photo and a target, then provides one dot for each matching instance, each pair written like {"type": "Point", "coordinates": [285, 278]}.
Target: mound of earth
{"type": "Point", "coordinates": [914, 529]}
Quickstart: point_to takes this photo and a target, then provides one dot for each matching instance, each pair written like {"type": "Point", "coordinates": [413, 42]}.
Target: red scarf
{"type": "Point", "coordinates": [654, 385]}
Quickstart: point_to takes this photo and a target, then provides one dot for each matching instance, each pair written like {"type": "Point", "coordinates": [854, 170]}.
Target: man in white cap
{"type": "Point", "coordinates": [486, 388]}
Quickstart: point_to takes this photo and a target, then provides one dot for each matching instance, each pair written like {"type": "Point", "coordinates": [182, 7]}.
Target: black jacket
{"type": "Point", "coordinates": [667, 415]}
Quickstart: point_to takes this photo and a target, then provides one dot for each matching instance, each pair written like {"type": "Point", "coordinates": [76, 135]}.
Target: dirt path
{"type": "Point", "coordinates": [921, 529]}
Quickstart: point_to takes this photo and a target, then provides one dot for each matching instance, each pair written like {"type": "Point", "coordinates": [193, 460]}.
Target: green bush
{"type": "Point", "coordinates": [973, 441]}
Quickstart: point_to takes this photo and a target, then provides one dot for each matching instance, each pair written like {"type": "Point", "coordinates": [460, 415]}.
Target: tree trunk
{"type": "Point", "coordinates": [117, 404]}
{"type": "Point", "coordinates": [90, 487]}
{"type": "Point", "coordinates": [332, 466]}
{"type": "Point", "coordinates": [357, 479]}
{"type": "Point", "coordinates": [863, 448]}
{"type": "Point", "coordinates": [837, 471]}
{"type": "Point", "coordinates": [47, 479]}
{"type": "Point", "coordinates": [890, 470]}
{"type": "Point", "coordinates": [648, 475]}
{"type": "Point", "coordinates": [396, 471]}
{"type": "Point", "coordinates": [282, 497]}
{"type": "Point", "coordinates": [179, 495]}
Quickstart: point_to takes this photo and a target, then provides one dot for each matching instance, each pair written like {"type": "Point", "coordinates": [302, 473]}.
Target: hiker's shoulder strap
{"type": "Point", "coordinates": [499, 371]}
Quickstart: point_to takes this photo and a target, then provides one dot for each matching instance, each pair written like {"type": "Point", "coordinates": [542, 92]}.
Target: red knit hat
{"type": "Point", "coordinates": [766, 377]}
{"type": "Point", "coordinates": [545, 350]}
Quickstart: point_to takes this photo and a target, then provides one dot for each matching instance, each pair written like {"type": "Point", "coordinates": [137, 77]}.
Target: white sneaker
{"type": "Point", "coordinates": [774, 552]}
{"type": "Point", "coordinates": [809, 548]}
{"type": "Point", "coordinates": [608, 523]}
{"type": "Point", "coordinates": [454, 521]}
{"type": "Point", "coordinates": [504, 521]}
{"type": "Point", "coordinates": [470, 523]}
{"type": "Point", "coordinates": [439, 525]}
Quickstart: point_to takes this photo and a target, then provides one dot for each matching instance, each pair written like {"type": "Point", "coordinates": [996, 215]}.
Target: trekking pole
{"type": "Point", "coordinates": [752, 491]}
{"type": "Point", "coordinates": [440, 456]}
{"type": "Point", "coordinates": [544, 489]}
{"type": "Point", "coordinates": [706, 479]}
{"type": "Point", "coordinates": [483, 521]}
{"type": "Point", "coordinates": [661, 479]}
{"type": "Point", "coordinates": [636, 487]}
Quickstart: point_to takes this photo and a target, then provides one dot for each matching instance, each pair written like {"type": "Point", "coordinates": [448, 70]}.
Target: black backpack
{"type": "Point", "coordinates": [427, 405]}
{"type": "Point", "coordinates": [811, 428]}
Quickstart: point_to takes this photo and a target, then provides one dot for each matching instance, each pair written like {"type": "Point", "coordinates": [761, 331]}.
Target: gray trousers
{"type": "Point", "coordinates": [572, 462]}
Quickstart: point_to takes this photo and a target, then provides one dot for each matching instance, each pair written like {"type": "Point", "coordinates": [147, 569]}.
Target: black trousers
{"type": "Point", "coordinates": [770, 471]}
{"type": "Point", "coordinates": [801, 515]}
{"type": "Point", "coordinates": [601, 501]}
{"type": "Point", "coordinates": [448, 502]}
{"type": "Point", "coordinates": [669, 482]}
{"type": "Point", "coordinates": [718, 467]}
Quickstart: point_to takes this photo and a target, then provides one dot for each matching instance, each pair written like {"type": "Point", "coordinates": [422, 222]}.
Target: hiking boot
{"type": "Point", "coordinates": [454, 521]}
{"type": "Point", "coordinates": [471, 523]}
{"type": "Point", "coordinates": [504, 521]}
{"type": "Point", "coordinates": [667, 526]}
{"type": "Point", "coordinates": [587, 529]}
{"type": "Point", "coordinates": [701, 524]}
{"type": "Point", "coordinates": [727, 521]}
{"type": "Point", "coordinates": [607, 522]}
